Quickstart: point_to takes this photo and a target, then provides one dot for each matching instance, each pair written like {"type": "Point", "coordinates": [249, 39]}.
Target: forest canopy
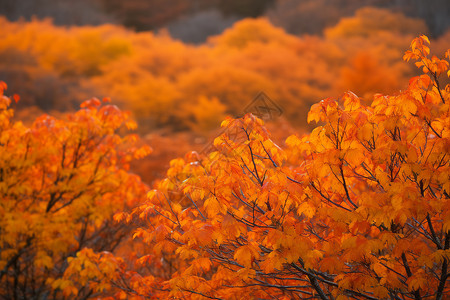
{"type": "Point", "coordinates": [356, 209]}
{"type": "Point", "coordinates": [164, 81]}
{"type": "Point", "coordinates": [290, 158]}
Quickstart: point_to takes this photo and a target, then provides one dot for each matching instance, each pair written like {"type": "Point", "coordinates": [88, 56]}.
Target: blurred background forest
{"type": "Point", "coordinates": [181, 66]}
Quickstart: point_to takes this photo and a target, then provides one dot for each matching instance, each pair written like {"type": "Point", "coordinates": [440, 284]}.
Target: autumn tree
{"type": "Point", "coordinates": [359, 208]}
{"type": "Point", "coordinates": [61, 181]}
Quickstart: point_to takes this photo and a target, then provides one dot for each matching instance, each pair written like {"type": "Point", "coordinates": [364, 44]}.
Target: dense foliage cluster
{"type": "Point", "coordinates": [359, 208]}
{"type": "Point", "coordinates": [61, 181]}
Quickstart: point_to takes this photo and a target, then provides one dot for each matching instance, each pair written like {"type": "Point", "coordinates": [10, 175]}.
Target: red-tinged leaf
{"type": "Point", "coordinates": [3, 86]}
{"type": "Point", "coordinates": [108, 110]}
{"type": "Point", "coordinates": [351, 101]}
{"type": "Point", "coordinates": [91, 103]}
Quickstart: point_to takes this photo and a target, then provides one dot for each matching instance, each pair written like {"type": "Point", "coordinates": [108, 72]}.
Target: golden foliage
{"type": "Point", "coordinates": [164, 81]}
{"type": "Point", "coordinates": [61, 182]}
{"type": "Point", "coordinates": [359, 208]}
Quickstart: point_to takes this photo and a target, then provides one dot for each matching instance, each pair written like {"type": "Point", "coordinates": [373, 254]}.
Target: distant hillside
{"type": "Point", "coordinates": [195, 20]}
{"type": "Point", "coordinates": [312, 16]}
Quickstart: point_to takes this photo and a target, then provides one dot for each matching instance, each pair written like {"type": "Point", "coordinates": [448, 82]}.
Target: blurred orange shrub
{"type": "Point", "coordinates": [167, 83]}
